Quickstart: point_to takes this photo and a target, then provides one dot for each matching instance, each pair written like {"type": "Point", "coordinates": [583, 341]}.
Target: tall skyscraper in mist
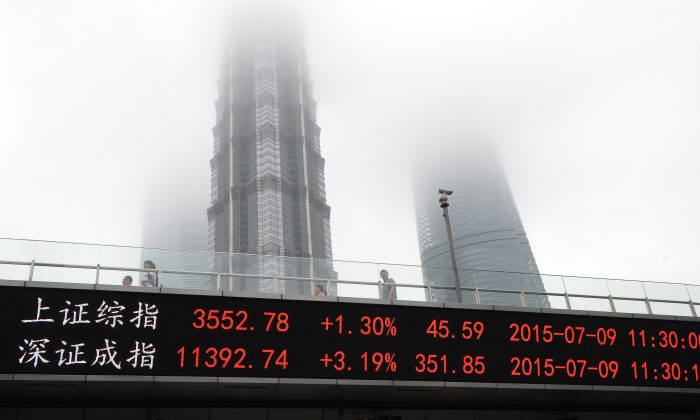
{"type": "Point", "coordinates": [267, 174]}
{"type": "Point", "coordinates": [491, 247]}
{"type": "Point", "coordinates": [175, 235]}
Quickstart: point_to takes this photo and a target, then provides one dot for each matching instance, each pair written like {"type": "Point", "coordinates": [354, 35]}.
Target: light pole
{"type": "Point", "coordinates": [446, 214]}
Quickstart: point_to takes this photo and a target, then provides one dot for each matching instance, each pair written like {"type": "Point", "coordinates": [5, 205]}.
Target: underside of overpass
{"type": "Point", "coordinates": [33, 397]}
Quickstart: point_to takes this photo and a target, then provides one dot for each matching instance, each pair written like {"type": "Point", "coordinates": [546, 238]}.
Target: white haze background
{"type": "Point", "coordinates": [595, 105]}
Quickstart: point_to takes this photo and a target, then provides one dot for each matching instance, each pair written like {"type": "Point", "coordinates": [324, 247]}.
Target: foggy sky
{"type": "Point", "coordinates": [594, 105]}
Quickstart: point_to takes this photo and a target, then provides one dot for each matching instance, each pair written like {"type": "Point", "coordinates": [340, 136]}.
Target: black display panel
{"type": "Point", "coordinates": [69, 331]}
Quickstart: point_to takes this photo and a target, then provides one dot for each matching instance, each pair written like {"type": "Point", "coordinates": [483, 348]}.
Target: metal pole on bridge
{"type": "Point", "coordinates": [446, 214]}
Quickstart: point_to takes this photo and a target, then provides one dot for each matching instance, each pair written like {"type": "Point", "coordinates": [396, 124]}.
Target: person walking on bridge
{"type": "Point", "coordinates": [389, 286]}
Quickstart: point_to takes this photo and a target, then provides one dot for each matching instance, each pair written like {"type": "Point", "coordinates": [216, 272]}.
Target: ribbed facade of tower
{"type": "Point", "coordinates": [491, 247]}
{"type": "Point", "coordinates": [268, 192]}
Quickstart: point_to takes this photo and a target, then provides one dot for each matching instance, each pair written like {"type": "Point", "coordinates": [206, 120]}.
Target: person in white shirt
{"type": "Point", "coordinates": [389, 286]}
{"type": "Point", "coordinates": [150, 279]}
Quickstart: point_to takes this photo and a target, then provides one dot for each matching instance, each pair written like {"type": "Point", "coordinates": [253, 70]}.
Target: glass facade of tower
{"type": "Point", "coordinates": [184, 249]}
{"type": "Point", "coordinates": [267, 173]}
{"type": "Point", "coordinates": [491, 247]}
{"type": "Point", "coordinates": [175, 235]}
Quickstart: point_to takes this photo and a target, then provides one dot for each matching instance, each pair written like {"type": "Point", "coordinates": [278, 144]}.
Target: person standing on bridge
{"type": "Point", "coordinates": [319, 290]}
{"type": "Point", "coordinates": [389, 286]}
{"type": "Point", "coordinates": [151, 278]}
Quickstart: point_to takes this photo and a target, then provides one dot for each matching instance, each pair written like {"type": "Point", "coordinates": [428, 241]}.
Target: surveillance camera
{"type": "Point", "coordinates": [448, 192]}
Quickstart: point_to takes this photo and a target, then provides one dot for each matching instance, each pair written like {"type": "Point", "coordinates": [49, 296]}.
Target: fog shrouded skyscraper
{"type": "Point", "coordinates": [175, 239]}
{"type": "Point", "coordinates": [491, 247]}
{"type": "Point", "coordinates": [175, 228]}
{"type": "Point", "coordinates": [267, 174]}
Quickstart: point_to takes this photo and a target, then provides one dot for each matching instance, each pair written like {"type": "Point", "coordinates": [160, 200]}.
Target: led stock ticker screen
{"type": "Point", "coordinates": [86, 332]}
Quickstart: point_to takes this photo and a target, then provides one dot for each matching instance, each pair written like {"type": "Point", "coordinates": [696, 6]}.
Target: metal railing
{"type": "Point", "coordinates": [105, 264]}
{"type": "Point", "coordinates": [429, 289]}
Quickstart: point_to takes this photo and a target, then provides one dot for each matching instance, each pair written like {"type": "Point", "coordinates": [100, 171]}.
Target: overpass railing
{"type": "Point", "coordinates": [48, 261]}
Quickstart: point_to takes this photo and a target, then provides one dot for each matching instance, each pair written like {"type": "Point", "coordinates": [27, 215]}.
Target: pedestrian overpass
{"type": "Point", "coordinates": [97, 349]}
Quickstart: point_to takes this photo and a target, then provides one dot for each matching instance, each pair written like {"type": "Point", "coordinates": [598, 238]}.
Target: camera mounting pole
{"type": "Point", "coordinates": [446, 214]}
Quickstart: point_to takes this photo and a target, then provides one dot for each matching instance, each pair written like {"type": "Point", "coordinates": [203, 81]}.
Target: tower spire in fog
{"type": "Point", "coordinates": [267, 173]}
{"type": "Point", "coordinates": [490, 245]}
